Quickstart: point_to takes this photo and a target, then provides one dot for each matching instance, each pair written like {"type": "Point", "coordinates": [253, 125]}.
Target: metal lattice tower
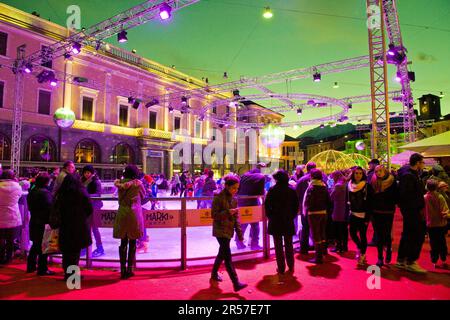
{"type": "Point", "coordinates": [380, 135]}
{"type": "Point", "coordinates": [18, 103]}
{"type": "Point", "coordinates": [392, 24]}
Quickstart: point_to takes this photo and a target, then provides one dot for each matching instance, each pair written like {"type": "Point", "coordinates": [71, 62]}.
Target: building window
{"type": "Point", "coordinates": [152, 119]}
{"type": "Point", "coordinates": [3, 43]}
{"type": "Point", "coordinates": [214, 110]}
{"type": "Point", "coordinates": [198, 129]}
{"type": "Point", "coordinates": [87, 112]}
{"type": "Point", "coordinates": [46, 56]}
{"type": "Point", "coordinates": [123, 115]}
{"type": "Point", "coordinates": [87, 151]}
{"type": "Point", "coordinates": [123, 154]}
{"type": "Point", "coordinates": [2, 90]}
{"type": "Point", "coordinates": [40, 148]}
{"type": "Point", "coordinates": [176, 123]}
{"type": "Point", "coordinates": [44, 102]}
{"type": "Point", "coordinates": [5, 148]}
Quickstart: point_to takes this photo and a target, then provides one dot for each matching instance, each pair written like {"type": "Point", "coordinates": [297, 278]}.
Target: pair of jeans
{"type": "Point", "coordinates": [359, 225]}
{"type": "Point", "coordinates": [382, 223]}
{"type": "Point", "coordinates": [438, 243]}
{"type": "Point", "coordinates": [224, 255]}
{"type": "Point", "coordinates": [318, 227]}
{"type": "Point", "coordinates": [284, 254]}
{"type": "Point", "coordinates": [413, 235]}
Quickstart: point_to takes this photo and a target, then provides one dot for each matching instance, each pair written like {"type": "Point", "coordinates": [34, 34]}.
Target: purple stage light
{"type": "Point", "coordinates": [165, 11]}
{"type": "Point", "coordinates": [53, 82]}
{"type": "Point", "coordinates": [76, 48]}
{"type": "Point", "coordinates": [398, 77]}
{"type": "Point", "coordinates": [122, 36]}
{"type": "Point", "coordinates": [28, 68]}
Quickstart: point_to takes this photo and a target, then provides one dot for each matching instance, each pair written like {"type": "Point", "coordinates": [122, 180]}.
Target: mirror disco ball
{"type": "Point", "coordinates": [360, 145]}
{"type": "Point", "coordinates": [272, 136]}
{"type": "Point", "coordinates": [64, 118]}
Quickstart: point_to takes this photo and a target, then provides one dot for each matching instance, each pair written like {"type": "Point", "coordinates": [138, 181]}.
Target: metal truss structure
{"type": "Point", "coordinates": [395, 37]}
{"type": "Point", "coordinates": [93, 37]}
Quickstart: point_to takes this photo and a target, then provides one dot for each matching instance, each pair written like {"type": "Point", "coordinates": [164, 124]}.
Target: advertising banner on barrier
{"type": "Point", "coordinates": [202, 217]}
{"type": "Point", "coordinates": [152, 218]}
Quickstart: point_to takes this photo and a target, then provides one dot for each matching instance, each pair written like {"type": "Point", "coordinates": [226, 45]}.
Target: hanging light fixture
{"type": "Point", "coordinates": [267, 13]}
{"type": "Point", "coordinates": [122, 36]}
{"type": "Point", "coordinates": [165, 11]}
{"type": "Point", "coordinates": [76, 48]}
{"type": "Point", "coordinates": [336, 85]}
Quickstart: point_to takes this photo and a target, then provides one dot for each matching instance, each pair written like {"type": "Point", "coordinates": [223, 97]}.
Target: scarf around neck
{"type": "Point", "coordinates": [356, 187]}
{"type": "Point", "coordinates": [380, 185]}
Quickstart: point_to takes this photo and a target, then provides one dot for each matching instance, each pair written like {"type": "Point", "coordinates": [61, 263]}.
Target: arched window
{"type": "Point", "coordinates": [123, 154]}
{"type": "Point", "coordinates": [87, 151]}
{"type": "Point", "coordinates": [40, 148]}
{"type": "Point", "coordinates": [5, 147]}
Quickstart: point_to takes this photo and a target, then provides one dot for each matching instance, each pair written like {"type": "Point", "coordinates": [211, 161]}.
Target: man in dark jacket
{"type": "Point", "coordinates": [301, 187]}
{"type": "Point", "coordinates": [411, 203]}
{"type": "Point", "coordinates": [251, 184]}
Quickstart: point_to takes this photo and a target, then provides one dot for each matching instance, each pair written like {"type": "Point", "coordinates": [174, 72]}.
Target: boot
{"type": "Point", "coordinates": [318, 259]}
{"type": "Point", "coordinates": [388, 255]}
{"type": "Point", "coordinates": [123, 261]}
{"type": "Point", "coordinates": [131, 260]}
{"type": "Point", "coordinates": [234, 278]}
{"type": "Point", "coordinates": [324, 247]}
{"type": "Point", "coordinates": [215, 271]}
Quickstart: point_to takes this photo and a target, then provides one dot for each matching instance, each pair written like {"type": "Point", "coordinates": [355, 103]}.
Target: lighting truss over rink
{"type": "Point", "coordinates": [296, 101]}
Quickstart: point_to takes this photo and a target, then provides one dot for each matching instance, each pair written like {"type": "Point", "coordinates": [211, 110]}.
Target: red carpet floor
{"type": "Point", "coordinates": [337, 278]}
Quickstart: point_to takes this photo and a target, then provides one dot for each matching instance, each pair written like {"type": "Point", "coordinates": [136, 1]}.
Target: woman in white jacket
{"type": "Point", "coordinates": [10, 218]}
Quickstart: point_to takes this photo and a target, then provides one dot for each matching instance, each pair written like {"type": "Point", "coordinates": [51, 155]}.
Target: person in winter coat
{"type": "Point", "coordinates": [281, 207]}
{"type": "Point", "coordinates": [225, 221]}
{"type": "Point", "coordinates": [316, 204]}
{"type": "Point", "coordinates": [94, 188]}
{"type": "Point", "coordinates": [129, 221]}
{"type": "Point", "coordinates": [436, 213]}
{"type": "Point", "coordinates": [209, 188]}
{"type": "Point", "coordinates": [340, 212]}
{"type": "Point", "coordinates": [359, 197]}
{"type": "Point", "coordinates": [10, 217]}
{"type": "Point", "coordinates": [385, 197]}
{"type": "Point", "coordinates": [252, 183]}
{"type": "Point", "coordinates": [411, 203]}
{"type": "Point", "coordinates": [68, 168]}
{"type": "Point", "coordinates": [72, 209]}
{"type": "Point", "coordinates": [40, 201]}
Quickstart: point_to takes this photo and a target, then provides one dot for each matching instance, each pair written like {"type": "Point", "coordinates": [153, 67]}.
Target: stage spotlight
{"type": "Point", "coordinates": [299, 111]}
{"type": "Point", "coordinates": [317, 77]}
{"type": "Point", "coordinates": [122, 36]}
{"type": "Point", "coordinates": [130, 99]}
{"type": "Point", "coordinates": [53, 82]}
{"type": "Point", "coordinates": [184, 100]}
{"type": "Point", "coordinates": [391, 51]}
{"type": "Point", "coordinates": [267, 13]}
{"type": "Point", "coordinates": [152, 103]}
{"type": "Point", "coordinates": [76, 48]}
{"type": "Point", "coordinates": [322, 126]}
{"type": "Point", "coordinates": [170, 109]}
{"type": "Point", "coordinates": [398, 77]}
{"type": "Point", "coordinates": [67, 55]}
{"type": "Point", "coordinates": [165, 11]}
{"type": "Point", "coordinates": [28, 68]}
{"type": "Point", "coordinates": [336, 85]}
{"type": "Point", "coordinates": [395, 55]}
{"type": "Point", "coordinates": [136, 104]}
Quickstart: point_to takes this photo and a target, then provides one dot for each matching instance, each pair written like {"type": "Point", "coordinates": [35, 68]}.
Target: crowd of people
{"type": "Point", "coordinates": [331, 207]}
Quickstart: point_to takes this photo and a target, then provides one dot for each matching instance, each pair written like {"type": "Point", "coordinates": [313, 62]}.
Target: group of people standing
{"type": "Point", "coordinates": [330, 210]}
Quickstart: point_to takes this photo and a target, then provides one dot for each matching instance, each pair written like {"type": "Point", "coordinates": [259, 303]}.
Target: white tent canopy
{"type": "Point", "coordinates": [403, 158]}
{"type": "Point", "coordinates": [436, 146]}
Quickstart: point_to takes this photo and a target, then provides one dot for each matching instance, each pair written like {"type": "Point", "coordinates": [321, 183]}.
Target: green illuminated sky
{"type": "Point", "coordinates": [213, 36]}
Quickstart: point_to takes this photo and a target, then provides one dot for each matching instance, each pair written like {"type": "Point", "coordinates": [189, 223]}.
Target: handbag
{"type": "Point", "coordinates": [50, 240]}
